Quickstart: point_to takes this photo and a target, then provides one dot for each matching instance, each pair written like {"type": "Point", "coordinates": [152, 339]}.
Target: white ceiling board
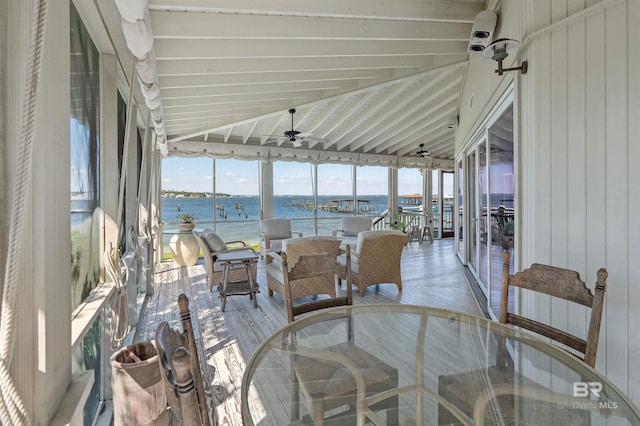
{"type": "Point", "coordinates": [369, 76]}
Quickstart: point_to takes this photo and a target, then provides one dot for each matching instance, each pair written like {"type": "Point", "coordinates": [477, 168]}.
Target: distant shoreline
{"type": "Point", "coordinates": [191, 194]}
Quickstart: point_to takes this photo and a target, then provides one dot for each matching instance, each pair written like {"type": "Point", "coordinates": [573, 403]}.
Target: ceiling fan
{"type": "Point", "coordinates": [295, 137]}
{"type": "Point", "coordinates": [422, 152]}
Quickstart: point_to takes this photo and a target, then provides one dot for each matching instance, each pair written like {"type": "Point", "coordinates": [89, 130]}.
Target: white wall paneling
{"type": "Point", "coordinates": [578, 154]}
{"type": "Point", "coordinates": [633, 230]}
{"type": "Point", "coordinates": [580, 213]}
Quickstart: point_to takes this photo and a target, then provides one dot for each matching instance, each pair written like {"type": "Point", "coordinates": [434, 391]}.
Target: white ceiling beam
{"type": "Point", "coordinates": [266, 65]}
{"type": "Point", "coordinates": [412, 120]}
{"type": "Point", "coordinates": [364, 100]}
{"type": "Point", "coordinates": [176, 127]}
{"type": "Point", "coordinates": [249, 131]}
{"type": "Point", "coordinates": [416, 99]}
{"type": "Point", "coordinates": [260, 49]}
{"type": "Point", "coordinates": [214, 80]}
{"type": "Point", "coordinates": [389, 97]}
{"type": "Point", "coordinates": [428, 136]}
{"type": "Point", "coordinates": [227, 134]}
{"type": "Point", "coordinates": [454, 67]}
{"type": "Point", "coordinates": [207, 92]}
{"type": "Point", "coordinates": [227, 26]}
{"type": "Point", "coordinates": [213, 100]}
{"type": "Point", "coordinates": [177, 111]}
{"type": "Point", "coordinates": [420, 134]}
{"type": "Point", "coordinates": [273, 127]}
{"type": "Point", "coordinates": [202, 116]}
{"type": "Point", "coordinates": [399, 114]}
{"type": "Point", "coordinates": [327, 112]}
{"type": "Point", "coordinates": [442, 147]}
{"type": "Point", "coordinates": [424, 10]}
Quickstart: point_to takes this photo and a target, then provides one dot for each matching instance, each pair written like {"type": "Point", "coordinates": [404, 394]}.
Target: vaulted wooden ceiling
{"type": "Point", "coordinates": [366, 76]}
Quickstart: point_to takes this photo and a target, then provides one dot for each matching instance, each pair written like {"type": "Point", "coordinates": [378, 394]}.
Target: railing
{"type": "Point", "coordinates": [247, 230]}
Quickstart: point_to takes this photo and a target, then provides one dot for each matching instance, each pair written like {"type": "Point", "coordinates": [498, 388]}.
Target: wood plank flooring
{"type": "Point", "coordinates": [431, 273]}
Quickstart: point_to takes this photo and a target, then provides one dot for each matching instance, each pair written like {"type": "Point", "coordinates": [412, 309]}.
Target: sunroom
{"type": "Point", "coordinates": [97, 95]}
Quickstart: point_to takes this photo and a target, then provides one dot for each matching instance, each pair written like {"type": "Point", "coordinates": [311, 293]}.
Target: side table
{"type": "Point", "coordinates": [243, 259]}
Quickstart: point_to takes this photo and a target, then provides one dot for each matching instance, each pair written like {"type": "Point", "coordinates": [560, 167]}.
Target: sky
{"type": "Point", "coordinates": [238, 177]}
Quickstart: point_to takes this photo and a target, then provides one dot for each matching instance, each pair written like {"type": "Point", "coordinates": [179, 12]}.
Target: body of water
{"type": "Point", "coordinates": [241, 208]}
{"type": "Point", "coordinates": [237, 216]}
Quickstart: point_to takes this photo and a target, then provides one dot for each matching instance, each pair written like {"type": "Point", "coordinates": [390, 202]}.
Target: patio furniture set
{"type": "Point", "coordinates": [496, 381]}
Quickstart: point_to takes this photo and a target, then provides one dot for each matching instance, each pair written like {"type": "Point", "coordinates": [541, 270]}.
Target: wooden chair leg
{"type": "Point", "coordinates": [295, 396]}
{"type": "Point", "coordinates": [317, 412]}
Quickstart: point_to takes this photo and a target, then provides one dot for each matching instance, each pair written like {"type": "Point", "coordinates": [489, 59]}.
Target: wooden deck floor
{"type": "Point", "coordinates": [432, 275]}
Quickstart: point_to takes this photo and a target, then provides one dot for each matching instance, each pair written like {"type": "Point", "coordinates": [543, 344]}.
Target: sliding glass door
{"type": "Point", "coordinates": [501, 197]}
{"type": "Point", "coordinates": [477, 166]}
{"type": "Point", "coordinates": [489, 205]}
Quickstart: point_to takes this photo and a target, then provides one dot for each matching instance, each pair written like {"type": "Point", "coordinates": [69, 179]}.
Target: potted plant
{"type": "Point", "coordinates": [400, 223]}
{"type": "Point", "coordinates": [187, 221]}
{"type": "Point", "coordinates": [506, 238]}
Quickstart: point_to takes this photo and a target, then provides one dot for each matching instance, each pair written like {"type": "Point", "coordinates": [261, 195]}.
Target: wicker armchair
{"type": "Point", "coordinates": [377, 259]}
{"type": "Point", "coordinates": [272, 233]}
{"type": "Point", "coordinates": [295, 254]}
{"type": "Point", "coordinates": [212, 245]}
{"type": "Point", "coordinates": [350, 227]}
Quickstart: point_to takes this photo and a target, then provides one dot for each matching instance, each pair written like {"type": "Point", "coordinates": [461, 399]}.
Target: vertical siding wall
{"type": "Point", "coordinates": [579, 174]}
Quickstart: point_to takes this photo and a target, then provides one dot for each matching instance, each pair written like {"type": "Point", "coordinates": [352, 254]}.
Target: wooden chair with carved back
{"type": "Point", "coordinates": [308, 269]}
{"type": "Point", "coordinates": [556, 282]}
{"type": "Point", "coordinates": [180, 368]}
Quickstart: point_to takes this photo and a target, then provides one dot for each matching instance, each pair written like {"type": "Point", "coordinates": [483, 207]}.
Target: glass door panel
{"type": "Point", "coordinates": [483, 223]}
{"type": "Point", "coordinates": [477, 202]}
{"type": "Point", "coordinates": [446, 213]}
{"type": "Point", "coordinates": [473, 211]}
{"type": "Point", "coordinates": [460, 217]}
{"type": "Point", "coordinates": [502, 194]}
{"type": "Point", "coordinates": [435, 204]}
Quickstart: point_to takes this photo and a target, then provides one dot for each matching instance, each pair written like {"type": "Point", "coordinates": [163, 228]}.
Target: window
{"type": "Point", "coordinates": [293, 194]}
{"type": "Point", "coordinates": [85, 149]}
{"type": "Point", "coordinates": [85, 196]}
{"type": "Point", "coordinates": [372, 187]}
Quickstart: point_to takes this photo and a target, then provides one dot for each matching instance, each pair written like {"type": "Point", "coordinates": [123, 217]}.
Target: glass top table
{"type": "Point", "coordinates": [426, 344]}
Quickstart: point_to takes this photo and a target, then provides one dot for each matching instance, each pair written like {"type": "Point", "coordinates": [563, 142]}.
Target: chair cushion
{"type": "Point", "coordinates": [352, 226]}
{"type": "Point", "coordinates": [349, 241]}
{"type": "Point", "coordinates": [214, 241]}
{"type": "Point", "coordinates": [342, 259]}
{"type": "Point", "coordinates": [362, 236]}
{"type": "Point", "coordinates": [329, 378]}
{"type": "Point", "coordinates": [274, 269]}
{"type": "Point", "coordinates": [275, 245]}
{"type": "Point", "coordinates": [276, 229]}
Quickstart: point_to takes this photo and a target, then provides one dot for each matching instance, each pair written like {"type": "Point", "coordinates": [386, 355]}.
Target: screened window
{"type": "Point", "coordinates": [372, 189]}
{"type": "Point", "coordinates": [85, 149]}
{"type": "Point", "coordinates": [85, 196]}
